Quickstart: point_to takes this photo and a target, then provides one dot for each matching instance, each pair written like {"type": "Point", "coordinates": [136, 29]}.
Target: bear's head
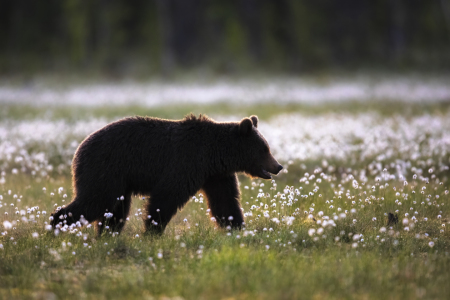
{"type": "Point", "coordinates": [257, 159]}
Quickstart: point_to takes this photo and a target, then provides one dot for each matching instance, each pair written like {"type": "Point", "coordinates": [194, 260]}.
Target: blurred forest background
{"type": "Point", "coordinates": [145, 37]}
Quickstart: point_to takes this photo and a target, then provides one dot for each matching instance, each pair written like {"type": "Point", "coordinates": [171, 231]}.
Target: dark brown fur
{"type": "Point", "coordinates": [169, 161]}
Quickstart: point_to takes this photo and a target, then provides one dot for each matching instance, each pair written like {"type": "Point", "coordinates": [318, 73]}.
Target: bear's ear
{"type": "Point", "coordinates": [254, 120]}
{"type": "Point", "coordinates": [245, 126]}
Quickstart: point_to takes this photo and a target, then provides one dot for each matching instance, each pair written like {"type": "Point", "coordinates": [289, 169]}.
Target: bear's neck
{"type": "Point", "coordinates": [223, 144]}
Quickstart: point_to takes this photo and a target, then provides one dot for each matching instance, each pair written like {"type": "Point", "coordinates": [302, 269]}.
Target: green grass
{"type": "Point", "coordinates": [263, 111]}
{"type": "Point", "coordinates": [266, 260]}
{"type": "Point", "coordinates": [294, 265]}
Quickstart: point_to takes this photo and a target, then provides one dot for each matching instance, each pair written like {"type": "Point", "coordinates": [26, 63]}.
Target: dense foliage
{"type": "Point", "coordinates": [120, 37]}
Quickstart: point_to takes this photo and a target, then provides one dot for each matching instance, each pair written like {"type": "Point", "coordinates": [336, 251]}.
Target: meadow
{"type": "Point", "coordinates": [361, 210]}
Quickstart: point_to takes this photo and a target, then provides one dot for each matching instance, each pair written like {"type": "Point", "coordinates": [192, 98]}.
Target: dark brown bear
{"type": "Point", "coordinates": [169, 161]}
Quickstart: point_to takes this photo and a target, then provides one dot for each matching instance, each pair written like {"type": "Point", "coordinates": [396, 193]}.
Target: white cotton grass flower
{"type": "Point", "coordinates": [35, 235]}
{"type": "Point", "coordinates": [289, 220]}
{"type": "Point", "coordinates": [7, 225]}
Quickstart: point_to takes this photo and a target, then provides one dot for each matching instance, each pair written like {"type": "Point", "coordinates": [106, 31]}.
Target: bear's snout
{"type": "Point", "coordinates": [280, 167]}
{"type": "Point", "coordinates": [276, 169]}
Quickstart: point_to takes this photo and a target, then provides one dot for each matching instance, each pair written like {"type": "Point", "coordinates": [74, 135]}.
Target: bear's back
{"type": "Point", "coordinates": [136, 145]}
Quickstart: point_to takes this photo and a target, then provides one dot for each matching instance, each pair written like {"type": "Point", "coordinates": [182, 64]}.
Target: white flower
{"type": "Point", "coordinates": [7, 225]}
{"type": "Point", "coordinates": [35, 235]}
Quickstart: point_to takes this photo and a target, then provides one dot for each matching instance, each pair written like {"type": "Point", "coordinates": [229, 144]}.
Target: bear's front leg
{"type": "Point", "coordinates": [222, 192]}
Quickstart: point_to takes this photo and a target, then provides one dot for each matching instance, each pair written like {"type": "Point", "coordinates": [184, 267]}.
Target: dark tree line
{"type": "Point", "coordinates": [155, 35]}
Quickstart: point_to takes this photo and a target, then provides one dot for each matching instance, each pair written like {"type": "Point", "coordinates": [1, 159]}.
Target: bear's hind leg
{"type": "Point", "coordinates": [113, 216]}
{"type": "Point", "coordinates": [223, 197]}
{"type": "Point", "coordinates": [120, 214]}
{"type": "Point", "coordinates": [73, 212]}
{"type": "Point", "coordinates": [160, 210]}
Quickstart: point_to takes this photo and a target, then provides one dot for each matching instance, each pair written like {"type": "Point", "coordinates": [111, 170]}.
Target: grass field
{"type": "Point", "coordinates": [319, 230]}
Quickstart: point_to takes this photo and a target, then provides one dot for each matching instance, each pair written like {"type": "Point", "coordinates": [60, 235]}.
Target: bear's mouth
{"type": "Point", "coordinates": [265, 174]}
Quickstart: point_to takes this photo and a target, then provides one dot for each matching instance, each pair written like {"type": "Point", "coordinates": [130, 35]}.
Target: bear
{"type": "Point", "coordinates": [168, 161]}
